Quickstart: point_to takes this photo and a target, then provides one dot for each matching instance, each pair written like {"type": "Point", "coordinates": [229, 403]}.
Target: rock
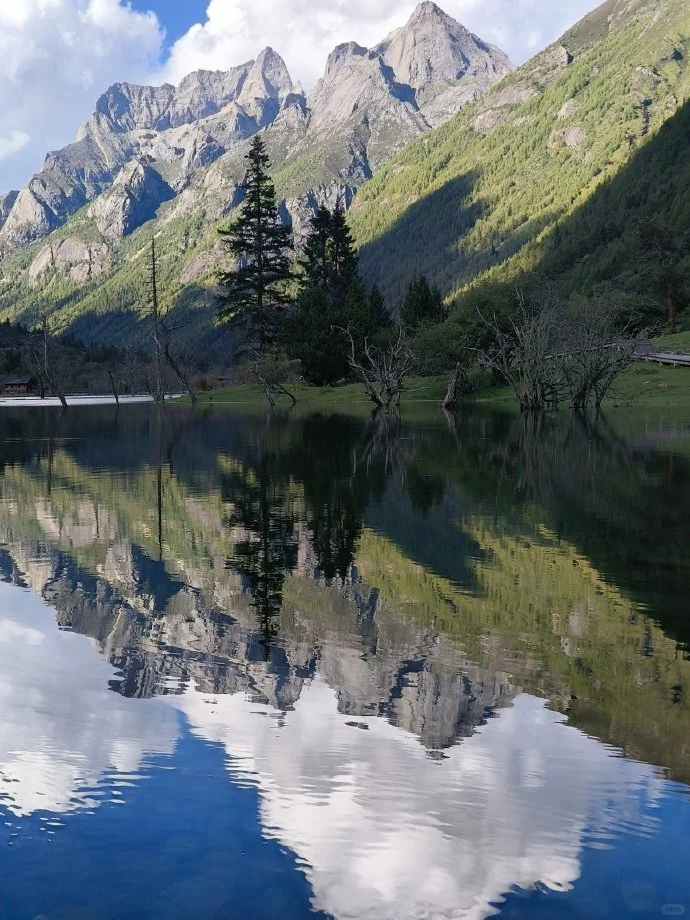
{"type": "Point", "coordinates": [568, 108]}
{"type": "Point", "coordinates": [133, 200]}
{"type": "Point", "coordinates": [200, 265]}
{"type": "Point", "coordinates": [82, 261]}
{"type": "Point", "coordinates": [6, 204]}
{"type": "Point", "coordinates": [572, 137]}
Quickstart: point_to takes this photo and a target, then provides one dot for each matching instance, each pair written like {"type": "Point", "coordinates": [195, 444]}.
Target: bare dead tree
{"type": "Point", "coordinates": [272, 371]}
{"type": "Point", "coordinates": [382, 370]}
{"type": "Point", "coordinates": [597, 349]}
{"type": "Point", "coordinates": [157, 389]}
{"type": "Point", "coordinates": [523, 352]}
{"type": "Point", "coordinates": [114, 386]}
{"type": "Point", "coordinates": [44, 359]}
{"type": "Point", "coordinates": [547, 352]}
{"type": "Point", "coordinates": [459, 386]}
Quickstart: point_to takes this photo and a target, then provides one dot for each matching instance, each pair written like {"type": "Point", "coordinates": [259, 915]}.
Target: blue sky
{"type": "Point", "coordinates": [176, 16]}
{"type": "Point", "coordinates": [58, 56]}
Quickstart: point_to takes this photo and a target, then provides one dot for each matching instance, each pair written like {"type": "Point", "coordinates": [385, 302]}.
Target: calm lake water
{"type": "Point", "coordinates": [322, 667]}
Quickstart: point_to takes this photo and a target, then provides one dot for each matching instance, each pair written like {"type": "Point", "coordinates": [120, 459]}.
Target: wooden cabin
{"type": "Point", "coordinates": [17, 386]}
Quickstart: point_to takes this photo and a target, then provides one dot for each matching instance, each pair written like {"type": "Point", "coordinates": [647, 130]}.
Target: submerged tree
{"type": "Point", "coordinates": [549, 352]}
{"type": "Point", "coordinates": [382, 370]}
{"type": "Point", "coordinates": [256, 287]}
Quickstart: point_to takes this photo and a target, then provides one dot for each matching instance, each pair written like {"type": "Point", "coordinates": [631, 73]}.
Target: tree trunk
{"type": "Point", "coordinates": [180, 375]}
{"type": "Point", "coordinates": [671, 303]}
{"type": "Point", "coordinates": [450, 400]}
{"type": "Point", "coordinates": [114, 387]}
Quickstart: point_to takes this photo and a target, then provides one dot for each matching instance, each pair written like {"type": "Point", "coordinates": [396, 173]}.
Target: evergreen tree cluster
{"type": "Point", "coordinates": [304, 314]}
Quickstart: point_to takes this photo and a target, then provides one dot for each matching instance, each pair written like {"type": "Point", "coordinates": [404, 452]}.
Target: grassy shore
{"type": "Point", "coordinates": [643, 385]}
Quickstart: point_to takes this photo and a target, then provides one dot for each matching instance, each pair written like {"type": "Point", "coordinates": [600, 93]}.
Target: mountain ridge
{"type": "Point", "coordinates": [230, 107]}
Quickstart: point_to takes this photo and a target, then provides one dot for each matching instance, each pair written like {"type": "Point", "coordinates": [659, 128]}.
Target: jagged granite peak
{"type": "Point", "coordinates": [434, 48]}
{"type": "Point", "coordinates": [268, 78]}
{"type": "Point", "coordinates": [205, 92]}
{"type": "Point", "coordinates": [342, 53]}
{"type": "Point", "coordinates": [127, 106]}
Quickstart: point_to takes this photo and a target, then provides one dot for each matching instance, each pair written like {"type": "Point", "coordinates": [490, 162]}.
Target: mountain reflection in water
{"type": "Point", "coordinates": [426, 648]}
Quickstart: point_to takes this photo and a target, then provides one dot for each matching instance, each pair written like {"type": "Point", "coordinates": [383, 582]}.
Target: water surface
{"type": "Point", "coordinates": [308, 666]}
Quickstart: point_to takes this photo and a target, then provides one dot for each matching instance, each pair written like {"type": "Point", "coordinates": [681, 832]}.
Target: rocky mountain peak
{"type": "Point", "coordinates": [433, 48]}
{"type": "Point", "coordinates": [269, 78]}
{"type": "Point", "coordinates": [342, 53]}
{"type": "Point", "coordinates": [6, 204]}
{"type": "Point", "coordinates": [427, 12]}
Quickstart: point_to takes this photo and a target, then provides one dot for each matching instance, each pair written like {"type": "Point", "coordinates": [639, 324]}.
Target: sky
{"type": "Point", "coordinates": [58, 56]}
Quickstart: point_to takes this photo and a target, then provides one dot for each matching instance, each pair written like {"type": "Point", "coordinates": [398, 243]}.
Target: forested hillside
{"type": "Point", "coordinates": [553, 171]}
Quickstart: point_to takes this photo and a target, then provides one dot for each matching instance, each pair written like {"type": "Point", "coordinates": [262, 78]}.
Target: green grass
{"type": "Point", "coordinates": [644, 385]}
{"type": "Point", "coordinates": [679, 342]}
{"type": "Point", "coordinates": [349, 398]}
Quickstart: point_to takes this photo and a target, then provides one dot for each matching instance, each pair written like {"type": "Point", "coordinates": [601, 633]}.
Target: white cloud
{"type": "Point", "coordinates": [12, 143]}
{"type": "Point", "coordinates": [383, 832]}
{"type": "Point", "coordinates": [56, 58]}
{"type": "Point", "coordinates": [64, 736]}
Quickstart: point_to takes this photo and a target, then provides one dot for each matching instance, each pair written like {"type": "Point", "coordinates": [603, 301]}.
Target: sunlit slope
{"type": "Point", "coordinates": [486, 193]}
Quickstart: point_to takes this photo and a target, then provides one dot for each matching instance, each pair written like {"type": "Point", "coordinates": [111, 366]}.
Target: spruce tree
{"type": "Point", "coordinates": [423, 304]}
{"type": "Point", "coordinates": [343, 258]}
{"type": "Point", "coordinates": [379, 312]}
{"type": "Point", "coordinates": [316, 254]}
{"type": "Point", "coordinates": [328, 260]}
{"type": "Point", "coordinates": [257, 287]}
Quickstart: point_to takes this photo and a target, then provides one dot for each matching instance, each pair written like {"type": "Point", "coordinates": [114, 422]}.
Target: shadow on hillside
{"type": "Point", "coordinates": [430, 228]}
{"type": "Point", "coordinates": [192, 320]}
{"type": "Point", "coordinates": [598, 241]}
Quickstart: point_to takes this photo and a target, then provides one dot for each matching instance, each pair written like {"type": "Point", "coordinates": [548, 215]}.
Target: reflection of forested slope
{"type": "Point", "coordinates": [422, 573]}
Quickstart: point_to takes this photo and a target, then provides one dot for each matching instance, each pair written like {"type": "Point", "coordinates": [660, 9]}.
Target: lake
{"type": "Point", "coordinates": [316, 666]}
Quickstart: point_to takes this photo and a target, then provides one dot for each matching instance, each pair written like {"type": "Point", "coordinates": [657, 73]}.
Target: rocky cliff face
{"type": "Point", "coordinates": [144, 145]}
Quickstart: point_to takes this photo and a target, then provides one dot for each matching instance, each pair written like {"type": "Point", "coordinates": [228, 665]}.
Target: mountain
{"type": "Point", "coordinates": [170, 160]}
{"type": "Point", "coordinates": [494, 193]}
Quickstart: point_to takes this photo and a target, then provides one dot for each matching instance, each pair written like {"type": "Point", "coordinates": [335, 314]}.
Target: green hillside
{"type": "Point", "coordinates": [552, 170]}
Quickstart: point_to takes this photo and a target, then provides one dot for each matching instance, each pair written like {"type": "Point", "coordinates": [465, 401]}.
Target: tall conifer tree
{"type": "Point", "coordinates": [256, 288]}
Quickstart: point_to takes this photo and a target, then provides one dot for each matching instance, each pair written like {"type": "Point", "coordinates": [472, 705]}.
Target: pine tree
{"type": "Point", "coordinates": [316, 254]}
{"type": "Point", "coordinates": [329, 260]}
{"type": "Point", "coordinates": [343, 257]}
{"type": "Point", "coordinates": [423, 304]}
{"type": "Point", "coordinates": [255, 290]}
{"type": "Point", "coordinates": [379, 313]}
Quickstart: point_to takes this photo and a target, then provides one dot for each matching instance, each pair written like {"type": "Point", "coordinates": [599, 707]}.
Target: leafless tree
{"type": "Point", "coordinates": [547, 352]}
{"type": "Point", "coordinates": [272, 372]}
{"type": "Point", "coordinates": [165, 334]}
{"type": "Point", "coordinates": [459, 386]}
{"type": "Point", "coordinates": [382, 370]}
{"type": "Point", "coordinates": [523, 352]}
{"type": "Point", "coordinates": [45, 359]}
{"type": "Point", "coordinates": [597, 348]}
